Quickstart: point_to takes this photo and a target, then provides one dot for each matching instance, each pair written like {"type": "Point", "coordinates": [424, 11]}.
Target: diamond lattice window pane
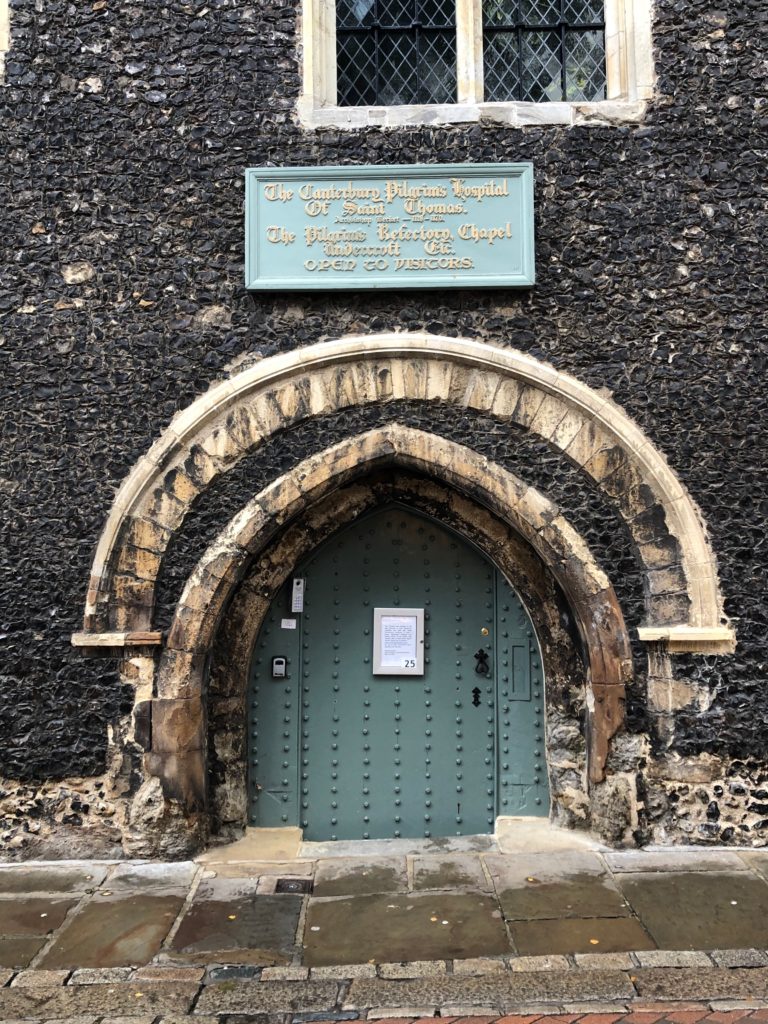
{"type": "Point", "coordinates": [500, 67]}
{"type": "Point", "coordinates": [437, 13]}
{"type": "Point", "coordinates": [582, 12]}
{"type": "Point", "coordinates": [355, 13]}
{"type": "Point", "coordinates": [437, 55]}
{"type": "Point", "coordinates": [398, 57]}
{"type": "Point", "coordinates": [584, 66]}
{"type": "Point", "coordinates": [501, 12]}
{"type": "Point", "coordinates": [356, 69]}
{"type": "Point", "coordinates": [541, 67]}
{"type": "Point", "coordinates": [539, 12]}
{"type": "Point", "coordinates": [395, 13]}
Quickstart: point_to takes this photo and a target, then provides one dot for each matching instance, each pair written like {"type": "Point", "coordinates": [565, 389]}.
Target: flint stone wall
{"type": "Point", "coordinates": [127, 128]}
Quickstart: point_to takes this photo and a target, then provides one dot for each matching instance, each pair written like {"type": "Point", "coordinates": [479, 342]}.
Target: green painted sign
{"type": "Point", "coordinates": [410, 226]}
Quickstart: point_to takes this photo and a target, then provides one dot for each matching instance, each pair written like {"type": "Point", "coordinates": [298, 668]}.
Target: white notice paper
{"type": "Point", "coordinates": [288, 624]}
{"type": "Point", "coordinates": [399, 637]}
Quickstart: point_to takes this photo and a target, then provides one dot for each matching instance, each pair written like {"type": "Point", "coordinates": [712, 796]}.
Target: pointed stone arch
{"type": "Point", "coordinates": [238, 414]}
{"type": "Point", "coordinates": [474, 480]}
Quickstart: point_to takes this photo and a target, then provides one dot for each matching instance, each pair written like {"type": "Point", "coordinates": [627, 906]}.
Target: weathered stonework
{"type": "Point", "coordinates": [122, 305]}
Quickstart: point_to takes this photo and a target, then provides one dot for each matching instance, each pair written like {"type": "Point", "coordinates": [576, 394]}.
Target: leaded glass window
{"type": "Point", "coordinates": [397, 52]}
{"type": "Point", "coordinates": [544, 50]}
{"type": "Point", "coordinates": [391, 52]}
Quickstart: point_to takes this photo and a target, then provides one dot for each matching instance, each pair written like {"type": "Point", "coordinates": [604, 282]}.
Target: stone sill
{"type": "Point", "coordinates": [135, 639]}
{"type": "Point", "coordinates": [603, 114]}
{"type": "Point", "coordinates": [693, 639]}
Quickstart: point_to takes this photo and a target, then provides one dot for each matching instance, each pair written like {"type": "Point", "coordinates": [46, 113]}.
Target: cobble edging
{"type": "Point", "coordinates": [676, 986]}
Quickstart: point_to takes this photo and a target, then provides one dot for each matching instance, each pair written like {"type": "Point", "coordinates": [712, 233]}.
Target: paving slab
{"type": "Point", "coordinates": [673, 860]}
{"type": "Point", "coordinates": [151, 999]}
{"type": "Point", "coordinates": [758, 862]}
{"type": "Point", "coordinates": [399, 927]}
{"type": "Point", "coordinates": [257, 844]}
{"type": "Point", "coordinates": [499, 991]}
{"type": "Point", "coordinates": [700, 910]}
{"type": "Point", "coordinates": [262, 997]}
{"type": "Point", "coordinates": [360, 876]}
{"type": "Point", "coordinates": [35, 916]}
{"type": "Point", "coordinates": [290, 868]}
{"type": "Point", "coordinates": [252, 929]}
{"type": "Point", "coordinates": [223, 888]}
{"type": "Point", "coordinates": [456, 872]}
{"type": "Point", "coordinates": [702, 984]}
{"type": "Point", "coordinates": [115, 932]}
{"type": "Point", "coordinates": [538, 835]}
{"type": "Point", "coordinates": [20, 878]}
{"type": "Point", "coordinates": [18, 950]}
{"type": "Point", "coordinates": [554, 885]}
{"type": "Point", "coordinates": [137, 875]}
{"type": "Point", "coordinates": [397, 847]}
{"type": "Point", "coordinates": [580, 935]}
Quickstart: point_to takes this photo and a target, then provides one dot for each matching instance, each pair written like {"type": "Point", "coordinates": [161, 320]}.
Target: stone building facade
{"type": "Point", "coordinates": [175, 445]}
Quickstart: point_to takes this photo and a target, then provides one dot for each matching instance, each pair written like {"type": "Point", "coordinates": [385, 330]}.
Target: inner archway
{"type": "Point", "coordinates": [358, 727]}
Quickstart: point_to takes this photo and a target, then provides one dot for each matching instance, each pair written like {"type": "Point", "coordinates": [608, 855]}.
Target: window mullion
{"type": "Point", "coordinates": [469, 51]}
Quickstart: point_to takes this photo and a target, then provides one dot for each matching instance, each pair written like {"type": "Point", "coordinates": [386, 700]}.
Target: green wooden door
{"type": "Point", "coordinates": [348, 754]}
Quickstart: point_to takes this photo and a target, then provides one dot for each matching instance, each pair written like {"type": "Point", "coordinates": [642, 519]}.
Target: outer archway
{"type": "Point", "coordinates": [683, 604]}
{"type": "Point", "coordinates": [683, 608]}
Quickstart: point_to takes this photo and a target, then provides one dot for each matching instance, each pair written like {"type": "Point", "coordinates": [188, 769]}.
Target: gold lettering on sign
{"type": "Point", "coordinates": [488, 190]}
{"type": "Point", "coordinates": [276, 191]}
{"type": "Point", "coordinates": [404, 190]}
{"type": "Point", "coordinates": [279, 235]}
{"type": "Point", "coordinates": [472, 233]}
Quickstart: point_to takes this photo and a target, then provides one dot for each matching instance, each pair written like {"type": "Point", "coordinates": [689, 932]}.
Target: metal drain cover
{"type": "Point", "coordinates": [294, 885]}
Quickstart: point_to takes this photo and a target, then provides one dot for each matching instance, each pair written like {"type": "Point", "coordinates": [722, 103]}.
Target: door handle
{"type": "Point", "coordinates": [481, 663]}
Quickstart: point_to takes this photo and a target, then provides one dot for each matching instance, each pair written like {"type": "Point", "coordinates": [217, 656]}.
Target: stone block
{"type": "Point", "coordinates": [276, 997]}
{"type": "Point", "coordinates": [479, 965]}
{"type": "Point", "coordinates": [143, 533]}
{"type": "Point", "coordinates": [154, 972]}
{"type": "Point", "coordinates": [539, 963]}
{"type": "Point", "coordinates": [344, 971]}
{"type": "Point", "coordinates": [589, 440]}
{"type": "Point", "coordinates": [498, 991]}
{"type": "Point", "coordinates": [604, 961]}
{"type": "Point", "coordinates": [180, 674]}
{"type": "Point", "coordinates": [739, 957]}
{"type": "Point", "coordinates": [506, 398]}
{"type": "Point", "coordinates": [529, 401]}
{"type": "Point", "coordinates": [182, 777]}
{"type": "Point", "coordinates": [100, 975]}
{"type": "Point", "coordinates": [414, 969]}
{"type": "Point", "coordinates": [177, 725]}
{"type": "Point", "coordinates": [200, 467]}
{"type": "Point", "coordinates": [139, 562]}
{"type": "Point", "coordinates": [39, 979]}
{"type": "Point", "coordinates": [70, 1001]}
{"type": "Point", "coordinates": [672, 958]}
{"type": "Point", "coordinates": [701, 983]}
{"type": "Point", "coordinates": [180, 485]}
{"type": "Point", "coordinates": [285, 973]}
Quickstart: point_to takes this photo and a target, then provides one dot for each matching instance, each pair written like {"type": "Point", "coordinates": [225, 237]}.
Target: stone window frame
{"type": "Point", "coordinates": [630, 76]}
